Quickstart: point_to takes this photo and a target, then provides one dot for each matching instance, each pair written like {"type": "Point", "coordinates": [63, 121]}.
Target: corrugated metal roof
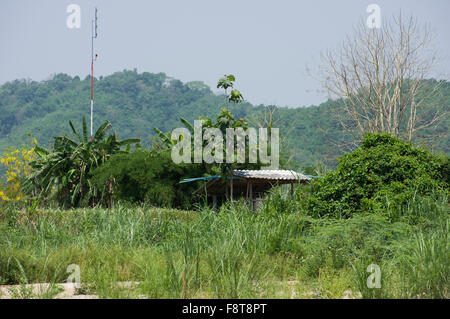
{"type": "Point", "coordinates": [271, 174]}
{"type": "Point", "coordinates": [287, 175]}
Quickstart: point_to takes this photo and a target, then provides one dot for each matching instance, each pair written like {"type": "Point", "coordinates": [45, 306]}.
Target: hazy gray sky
{"type": "Point", "coordinates": [266, 44]}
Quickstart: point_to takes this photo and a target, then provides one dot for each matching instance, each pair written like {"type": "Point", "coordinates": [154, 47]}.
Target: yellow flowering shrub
{"type": "Point", "coordinates": [17, 162]}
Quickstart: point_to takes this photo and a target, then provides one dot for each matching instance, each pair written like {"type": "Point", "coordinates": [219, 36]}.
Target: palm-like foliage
{"type": "Point", "coordinates": [65, 170]}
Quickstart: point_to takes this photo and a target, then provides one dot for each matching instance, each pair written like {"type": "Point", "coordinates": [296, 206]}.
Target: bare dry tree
{"type": "Point", "coordinates": [380, 79]}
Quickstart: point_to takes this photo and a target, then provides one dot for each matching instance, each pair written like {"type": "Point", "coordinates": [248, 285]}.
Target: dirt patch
{"type": "Point", "coordinates": [43, 290]}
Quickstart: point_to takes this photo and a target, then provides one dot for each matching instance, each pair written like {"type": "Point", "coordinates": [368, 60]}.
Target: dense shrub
{"type": "Point", "coordinates": [146, 176]}
{"type": "Point", "coordinates": [383, 172]}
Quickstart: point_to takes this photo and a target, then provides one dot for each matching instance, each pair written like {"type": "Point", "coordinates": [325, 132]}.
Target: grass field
{"type": "Point", "coordinates": [276, 252]}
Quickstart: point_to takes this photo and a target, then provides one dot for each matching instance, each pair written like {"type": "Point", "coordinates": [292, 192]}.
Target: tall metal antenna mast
{"type": "Point", "coordinates": [94, 36]}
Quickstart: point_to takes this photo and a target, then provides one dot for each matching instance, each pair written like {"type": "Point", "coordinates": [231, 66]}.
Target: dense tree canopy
{"type": "Point", "coordinates": [134, 103]}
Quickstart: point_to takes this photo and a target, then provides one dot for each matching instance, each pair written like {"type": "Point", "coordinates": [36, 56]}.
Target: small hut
{"type": "Point", "coordinates": [248, 184]}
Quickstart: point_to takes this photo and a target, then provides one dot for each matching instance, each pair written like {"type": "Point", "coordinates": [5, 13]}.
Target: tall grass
{"type": "Point", "coordinates": [426, 269]}
{"type": "Point", "coordinates": [233, 253]}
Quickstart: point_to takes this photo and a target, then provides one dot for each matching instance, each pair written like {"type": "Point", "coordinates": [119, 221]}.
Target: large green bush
{"type": "Point", "coordinates": [146, 176]}
{"type": "Point", "coordinates": [383, 173]}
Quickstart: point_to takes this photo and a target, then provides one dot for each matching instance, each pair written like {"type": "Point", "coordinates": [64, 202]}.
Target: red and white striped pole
{"type": "Point", "coordinates": [92, 96]}
{"type": "Point", "coordinates": [94, 35]}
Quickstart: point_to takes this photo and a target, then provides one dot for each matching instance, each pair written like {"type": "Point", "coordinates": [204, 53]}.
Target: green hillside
{"type": "Point", "coordinates": [135, 103]}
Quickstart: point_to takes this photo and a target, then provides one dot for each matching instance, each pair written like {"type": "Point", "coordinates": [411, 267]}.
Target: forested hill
{"type": "Point", "coordinates": [136, 103]}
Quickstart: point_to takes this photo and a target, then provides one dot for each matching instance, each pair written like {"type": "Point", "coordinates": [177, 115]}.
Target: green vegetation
{"type": "Point", "coordinates": [96, 171]}
{"type": "Point", "coordinates": [230, 254]}
{"type": "Point", "coordinates": [380, 176]}
{"type": "Point", "coordinates": [145, 176]}
{"type": "Point", "coordinates": [134, 103]}
{"type": "Point", "coordinates": [64, 172]}
{"type": "Point", "coordinates": [286, 249]}
{"type": "Point", "coordinates": [386, 204]}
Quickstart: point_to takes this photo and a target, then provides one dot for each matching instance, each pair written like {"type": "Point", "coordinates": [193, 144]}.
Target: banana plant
{"type": "Point", "coordinates": [164, 139]}
{"type": "Point", "coordinates": [65, 170]}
